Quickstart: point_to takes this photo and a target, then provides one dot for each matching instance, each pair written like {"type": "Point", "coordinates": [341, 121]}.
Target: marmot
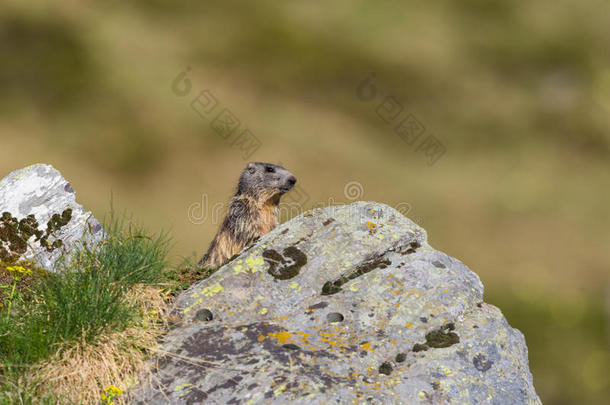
{"type": "Point", "coordinates": [252, 213]}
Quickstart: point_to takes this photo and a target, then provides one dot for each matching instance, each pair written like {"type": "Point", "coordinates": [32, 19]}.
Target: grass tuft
{"type": "Point", "coordinates": [80, 370]}
{"type": "Point", "coordinates": [65, 334]}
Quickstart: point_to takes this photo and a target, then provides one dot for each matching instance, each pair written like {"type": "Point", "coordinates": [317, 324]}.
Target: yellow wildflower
{"type": "Point", "coordinates": [115, 390]}
{"type": "Point", "coordinates": [111, 392]}
{"type": "Point", "coordinates": [19, 270]}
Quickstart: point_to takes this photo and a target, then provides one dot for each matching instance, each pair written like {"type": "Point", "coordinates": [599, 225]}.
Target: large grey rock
{"type": "Point", "coordinates": [40, 190]}
{"type": "Point", "coordinates": [340, 305]}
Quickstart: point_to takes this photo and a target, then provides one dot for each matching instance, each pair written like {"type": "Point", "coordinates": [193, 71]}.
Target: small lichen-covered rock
{"type": "Point", "coordinates": [40, 218]}
{"type": "Point", "coordinates": [346, 304]}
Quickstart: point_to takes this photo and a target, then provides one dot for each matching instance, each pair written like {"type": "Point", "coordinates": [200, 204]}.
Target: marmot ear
{"type": "Point", "coordinates": [251, 167]}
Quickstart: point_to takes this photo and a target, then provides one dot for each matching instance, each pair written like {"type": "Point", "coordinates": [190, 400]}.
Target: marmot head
{"type": "Point", "coordinates": [265, 180]}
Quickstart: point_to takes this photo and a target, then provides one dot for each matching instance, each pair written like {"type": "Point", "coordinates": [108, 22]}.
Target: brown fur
{"type": "Point", "coordinates": [252, 213]}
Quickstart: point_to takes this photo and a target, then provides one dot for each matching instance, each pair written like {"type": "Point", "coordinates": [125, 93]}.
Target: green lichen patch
{"type": "Point", "coordinates": [16, 234]}
{"type": "Point", "coordinates": [58, 221]}
{"type": "Point", "coordinates": [418, 347]}
{"type": "Point", "coordinates": [333, 287]}
{"type": "Point", "coordinates": [413, 246]}
{"type": "Point", "coordinates": [286, 265]}
{"type": "Point", "coordinates": [385, 368]}
{"type": "Point", "coordinates": [329, 288]}
{"type": "Point", "coordinates": [443, 337]}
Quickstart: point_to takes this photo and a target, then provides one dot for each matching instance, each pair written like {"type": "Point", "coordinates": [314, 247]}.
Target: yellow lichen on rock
{"type": "Point", "coordinates": [282, 337]}
{"type": "Point", "coordinates": [253, 262]}
{"type": "Point", "coordinates": [209, 291]}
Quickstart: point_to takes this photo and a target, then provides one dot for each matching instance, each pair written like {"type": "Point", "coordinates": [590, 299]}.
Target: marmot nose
{"type": "Point", "coordinates": [292, 181]}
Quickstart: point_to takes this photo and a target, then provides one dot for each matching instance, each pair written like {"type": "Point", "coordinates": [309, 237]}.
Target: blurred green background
{"type": "Point", "coordinates": [517, 92]}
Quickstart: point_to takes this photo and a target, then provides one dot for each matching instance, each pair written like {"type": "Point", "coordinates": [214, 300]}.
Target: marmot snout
{"type": "Point", "coordinates": [252, 213]}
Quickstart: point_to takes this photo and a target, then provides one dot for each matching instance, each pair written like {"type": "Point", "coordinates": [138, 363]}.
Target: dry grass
{"type": "Point", "coordinates": [79, 372]}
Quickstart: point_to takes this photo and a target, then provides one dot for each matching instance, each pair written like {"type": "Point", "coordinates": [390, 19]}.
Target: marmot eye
{"type": "Point", "coordinates": [269, 169]}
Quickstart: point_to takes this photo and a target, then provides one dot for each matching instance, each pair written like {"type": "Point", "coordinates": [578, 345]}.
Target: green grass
{"type": "Point", "coordinates": [85, 297]}
{"type": "Point", "coordinates": [185, 274]}
{"type": "Point", "coordinates": [12, 392]}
